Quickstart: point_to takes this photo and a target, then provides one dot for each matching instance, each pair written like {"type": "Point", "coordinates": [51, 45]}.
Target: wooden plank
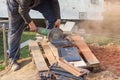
{"type": "Point", "coordinates": [80, 63]}
{"type": "Point", "coordinates": [48, 53]}
{"type": "Point", "coordinates": [68, 26]}
{"type": "Point", "coordinates": [70, 68]}
{"type": "Point", "coordinates": [75, 63]}
{"type": "Point", "coordinates": [38, 57]}
{"type": "Point", "coordinates": [75, 68]}
{"type": "Point", "coordinates": [86, 52]}
{"type": "Point", "coordinates": [5, 46]}
{"type": "Point", "coordinates": [54, 50]}
{"type": "Point", "coordinates": [64, 64]}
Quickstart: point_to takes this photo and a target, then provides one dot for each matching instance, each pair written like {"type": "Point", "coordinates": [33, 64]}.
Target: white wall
{"type": "Point", "coordinates": [70, 9]}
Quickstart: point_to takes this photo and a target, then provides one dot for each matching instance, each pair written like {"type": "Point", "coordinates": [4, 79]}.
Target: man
{"type": "Point", "coordinates": [19, 18]}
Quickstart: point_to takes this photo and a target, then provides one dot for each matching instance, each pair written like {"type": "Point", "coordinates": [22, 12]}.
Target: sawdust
{"type": "Point", "coordinates": [109, 26]}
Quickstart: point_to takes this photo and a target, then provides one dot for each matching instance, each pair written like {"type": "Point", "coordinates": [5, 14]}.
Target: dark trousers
{"type": "Point", "coordinates": [17, 25]}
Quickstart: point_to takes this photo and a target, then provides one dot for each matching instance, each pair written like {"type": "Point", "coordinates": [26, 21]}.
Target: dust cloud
{"type": "Point", "coordinates": [109, 26]}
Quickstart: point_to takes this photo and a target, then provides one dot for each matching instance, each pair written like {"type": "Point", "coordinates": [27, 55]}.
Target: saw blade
{"type": "Point", "coordinates": [55, 34]}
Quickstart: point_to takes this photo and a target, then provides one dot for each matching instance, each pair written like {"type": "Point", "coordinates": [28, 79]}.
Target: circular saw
{"type": "Point", "coordinates": [55, 34]}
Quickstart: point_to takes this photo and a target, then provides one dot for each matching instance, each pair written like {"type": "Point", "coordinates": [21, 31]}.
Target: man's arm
{"type": "Point", "coordinates": [56, 10]}
{"type": "Point", "coordinates": [24, 9]}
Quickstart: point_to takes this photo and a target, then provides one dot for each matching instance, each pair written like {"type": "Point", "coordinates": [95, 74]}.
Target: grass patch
{"type": "Point", "coordinates": [2, 67]}
{"type": "Point", "coordinates": [103, 40]}
{"type": "Point", "coordinates": [24, 51]}
{"type": "Point", "coordinates": [1, 46]}
{"type": "Point", "coordinates": [26, 36]}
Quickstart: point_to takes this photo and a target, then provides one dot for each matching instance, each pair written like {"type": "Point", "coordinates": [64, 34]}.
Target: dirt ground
{"type": "Point", "coordinates": [109, 55]}
{"type": "Point", "coordinates": [28, 71]}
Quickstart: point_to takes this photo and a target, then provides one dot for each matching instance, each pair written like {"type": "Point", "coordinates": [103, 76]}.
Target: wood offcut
{"type": "Point", "coordinates": [38, 57]}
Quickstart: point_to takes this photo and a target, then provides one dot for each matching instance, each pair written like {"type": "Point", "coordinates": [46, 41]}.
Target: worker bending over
{"type": "Point", "coordinates": [19, 18]}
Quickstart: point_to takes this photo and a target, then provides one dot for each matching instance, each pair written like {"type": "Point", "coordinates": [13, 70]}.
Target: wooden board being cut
{"type": "Point", "coordinates": [86, 52]}
{"type": "Point", "coordinates": [38, 57]}
{"type": "Point", "coordinates": [54, 50]}
{"type": "Point", "coordinates": [48, 53]}
{"type": "Point", "coordinates": [64, 64]}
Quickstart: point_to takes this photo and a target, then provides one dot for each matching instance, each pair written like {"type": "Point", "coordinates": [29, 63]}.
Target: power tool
{"type": "Point", "coordinates": [65, 46]}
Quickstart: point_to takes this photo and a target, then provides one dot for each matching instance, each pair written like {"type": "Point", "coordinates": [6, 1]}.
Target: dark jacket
{"type": "Point", "coordinates": [26, 5]}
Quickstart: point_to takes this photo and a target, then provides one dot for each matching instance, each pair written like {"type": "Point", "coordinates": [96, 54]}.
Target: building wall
{"type": "Point", "coordinates": [70, 9]}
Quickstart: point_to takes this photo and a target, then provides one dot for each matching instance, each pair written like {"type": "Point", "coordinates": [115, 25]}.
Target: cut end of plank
{"type": "Point", "coordinates": [38, 57]}
{"type": "Point", "coordinates": [84, 49]}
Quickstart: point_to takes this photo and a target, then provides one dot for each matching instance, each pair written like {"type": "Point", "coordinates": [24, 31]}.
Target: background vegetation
{"type": "Point", "coordinates": [24, 51]}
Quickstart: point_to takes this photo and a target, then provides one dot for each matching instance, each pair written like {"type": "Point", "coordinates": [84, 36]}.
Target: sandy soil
{"type": "Point", "coordinates": [104, 75]}
{"type": "Point", "coordinates": [28, 71]}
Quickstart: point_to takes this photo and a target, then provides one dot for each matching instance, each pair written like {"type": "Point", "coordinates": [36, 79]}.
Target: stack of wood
{"type": "Point", "coordinates": [45, 55]}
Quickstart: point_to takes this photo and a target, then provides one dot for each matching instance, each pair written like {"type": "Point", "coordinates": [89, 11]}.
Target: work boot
{"type": "Point", "coordinates": [14, 66]}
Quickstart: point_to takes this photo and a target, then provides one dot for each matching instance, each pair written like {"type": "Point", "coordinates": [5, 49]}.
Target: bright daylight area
{"type": "Point", "coordinates": [59, 40]}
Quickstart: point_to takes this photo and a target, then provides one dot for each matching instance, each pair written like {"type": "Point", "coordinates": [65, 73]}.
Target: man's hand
{"type": "Point", "coordinates": [32, 26]}
{"type": "Point", "coordinates": [57, 23]}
